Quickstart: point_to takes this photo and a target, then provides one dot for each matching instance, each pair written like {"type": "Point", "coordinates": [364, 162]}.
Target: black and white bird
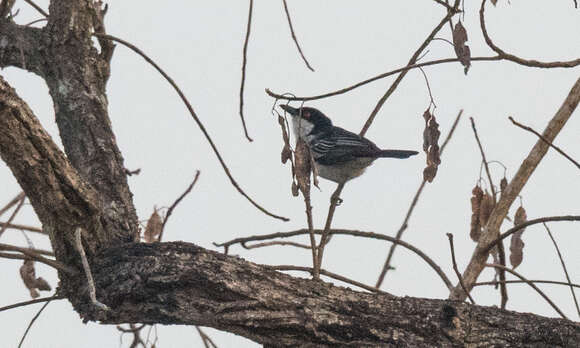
{"type": "Point", "coordinates": [339, 155]}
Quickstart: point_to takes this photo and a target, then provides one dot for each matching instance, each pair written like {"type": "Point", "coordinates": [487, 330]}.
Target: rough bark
{"type": "Point", "coordinates": [180, 283]}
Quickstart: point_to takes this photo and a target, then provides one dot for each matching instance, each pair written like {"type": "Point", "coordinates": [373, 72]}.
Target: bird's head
{"type": "Point", "coordinates": [307, 120]}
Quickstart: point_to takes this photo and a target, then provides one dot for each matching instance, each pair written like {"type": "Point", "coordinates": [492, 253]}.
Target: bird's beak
{"type": "Point", "coordinates": [292, 111]}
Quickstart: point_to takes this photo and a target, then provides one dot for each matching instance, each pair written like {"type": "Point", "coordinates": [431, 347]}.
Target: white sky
{"type": "Point", "coordinates": [199, 43]}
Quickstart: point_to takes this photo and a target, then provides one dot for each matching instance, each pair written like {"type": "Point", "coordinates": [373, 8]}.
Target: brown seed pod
{"type": "Point", "coordinates": [486, 208]}
{"type": "Point", "coordinates": [430, 147]}
{"type": "Point", "coordinates": [303, 168]}
{"type": "Point", "coordinates": [516, 243]}
{"type": "Point", "coordinates": [153, 228]}
{"type": "Point", "coordinates": [475, 228]}
{"type": "Point", "coordinates": [28, 276]}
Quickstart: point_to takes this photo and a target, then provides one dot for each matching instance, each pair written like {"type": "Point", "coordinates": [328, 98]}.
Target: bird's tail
{"type": "Point", "coordinates": [397, 153]}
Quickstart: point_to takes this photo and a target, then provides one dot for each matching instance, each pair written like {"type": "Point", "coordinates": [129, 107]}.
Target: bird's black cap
{"type": "Point", "coordinates": [292, 111]}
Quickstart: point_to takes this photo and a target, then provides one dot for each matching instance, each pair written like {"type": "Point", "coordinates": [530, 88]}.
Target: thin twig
{"type": "Point", "coordinates": [375, 78]}
{"type": "Point", "coordinates": [30, 254]}
{"type": "Point", "coordinates": [328, 274]}
{"type": "Point", "coordinates": [35, 21]}
{"type": "Point", "coordinates": [564, 267]}
{"type": "Point", "coordinates": [294, 36]}
{"type": "Point", "coordinates": [23, 227]}
{"type": "Point", "coordinates": [32, 322]}
{"type": "Point", "coordinates": [281, 243]}
{"type": "Point", "coordinates": [500, 247]}
{"type": "Point", "coordinates": [372, 235]}
{"type": "Point", "coordinates": [405, 223]}
{"type": "Point", "coordinates": [195, 118]}
{"type": "Point", "coordinates": [412, 60]}
{"type": "Point", "coordinates": [528, 223]}
{"type": "Point", "coordinates": [207, 341]}
{"type": "Point", "coordinates": [170, 210]}
{"type": "Point", "coordinates": [529, 129]}
{"type": "Point", "coordinates": [450, 236]}
{"type": "Point", "coordinates": [334, 199]}
{"type": "Point", "coordinates": [12, 203]}
{"type": "Point", "coordinates": [36, 7]}
{"type": "Point", "coordinates": [495, 282]}
{"type": "Point", "coordinates": [530, 284]}
{"type": "Point", "coordinates": [516, 59]}
{"type": "Point", "coordinates": [26, 303]}
{"type": "Point", "coordinates": [244, 60]}
{"type": "Point", "coordinates": [428, 87]}
{"type": "Point", "coordinates": [87, 268]}
{"type": "Point", "coordinates": [14, 213]}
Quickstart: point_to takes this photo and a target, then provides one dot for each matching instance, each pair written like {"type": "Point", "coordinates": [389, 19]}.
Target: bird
{"type": "Point", "coordinates": [339, 155]}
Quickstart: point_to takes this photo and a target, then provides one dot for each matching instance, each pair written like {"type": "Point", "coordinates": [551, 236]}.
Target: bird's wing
{"type": "Point", "coordinates": [342, 146]}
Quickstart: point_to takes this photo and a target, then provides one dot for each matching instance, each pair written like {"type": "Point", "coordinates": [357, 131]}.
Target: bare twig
{"type": "Point", "coordinates": [207, 341]}
{"type": "Point", "coordinates": [244, 60]}
{"type": "Point", "coordinates": [530, 284]}
{"type": "Point", "coordinates": [32, 322]}
{"type": "Point", "coordinates": [518, 60]}
{"type": "Point", "coordinates": [495, 282]}
{"type": "Point", "coordinates": [23, 227]}
{"type": "Point", "coordinates": [334, 199]}
{"type": "Point", "coordinates": [31, 254]}
{"type": "Point", "coordinates": [500, 247]}
{"type": "Point", "coordinates": [529, 129]}
{"type": "Point", "coordinates": [563, 267]}
{"type": "Point", "coordinates": [35, 21]}
{"type": "Point", "coordinates": [405, 223]}
{"type": "Point", "coordinates": [294, 36]}
{"type": "Point", "coordinates": [372, 235]}
{"type": "Point", "coordinates": [529, 223]}
{"type": "Point", "coordinates": [87, 268]}
{"type": "Point", "coordinates": [281, 243]}
{"type": "Point", "coordinates": [14, 213]}
{"type": "Point", "coordinates": [12, 203]}
{"type": "Point", "coordinates": [395, 84]}
{"type": "Point", "coordinates": [36, 7]}
{"type": "Point", "coordinates": [375, 78]}
{"type": "Point", "coordinates": [328, 274]}
{"type": "Point", "coordinates": [428, 87]}
{"type": "Point", "coordinates": [26, 303]}
{"type": "Point", "coordinates": [452, 249]}
{"type": "Point", "coordinates": [195, 118]}
{"type": "Point", "coordinates": [511, 192]}
{"type": "Point", "coordinates": [170, 210]}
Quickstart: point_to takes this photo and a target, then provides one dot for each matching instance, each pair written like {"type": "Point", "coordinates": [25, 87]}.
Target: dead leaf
{"type": "Point", "coordinates": [503, 184]}
{"type": "Point", "coordinates": [431, 135]}
{"type": "Point", "coordinates": [517, 244]}
{"type": "Point", "coordinates": [461, 49]}
{"type": "Point", "coordinates": [28, 276]}
{"type": "Point", "coordinates": [286, 153]}
{"type": "Point", "coordinates": [153, 228]}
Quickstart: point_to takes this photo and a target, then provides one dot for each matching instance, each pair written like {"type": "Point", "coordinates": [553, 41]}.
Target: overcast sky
{"type": "Point", "coordinates": [199, 44]}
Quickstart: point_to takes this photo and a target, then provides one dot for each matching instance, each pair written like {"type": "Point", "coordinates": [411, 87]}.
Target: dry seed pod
{"type": "Point", "coordinates": [153, 228]}
{"type": "Point", "coordinates": [28, 276]}
{"type": "Point", "coordinates": [486, 208]}
{"type": "Point", "coordinates": [503, 184]}
{"type": "Point", "coordinates": [461, 49]}
{"type": "Point", "coordinates": [294, 189]}
{"type": "Point", "coordinates": [516, 243]}
{"type": "Point", "coordinates": [475, 228]}
{"type": "Point", "coordinates": [303, 169]}
{"type": "Point", "coordinates": [430, 147]}
{"type": "Point", "coordinates": [286, 154]}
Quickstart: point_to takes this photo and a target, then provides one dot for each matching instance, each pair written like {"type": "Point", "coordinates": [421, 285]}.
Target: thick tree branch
{"type": "Point", "coordinates": [180, 283]}
{"type": "Point", "coordinates": [20, 47]}
{"type": "Point", "coordinates": [491, 230]}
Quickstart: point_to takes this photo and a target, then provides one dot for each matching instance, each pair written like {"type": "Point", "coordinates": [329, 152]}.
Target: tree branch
{"type": "Point", "coordinates": [491, 230]}
{"type": "Point", "coordinates": [19, 47]}
{"type": "Point", "coordinates": [180, 283]}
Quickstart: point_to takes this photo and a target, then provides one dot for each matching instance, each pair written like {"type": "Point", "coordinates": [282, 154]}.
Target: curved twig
{"type": "Point", "coordinates": [30, 254]}
{"type": "Point", "coordinates": [528, 223]}
{"type": "Point", "coordinates": [375, 78]}
{"type": "Point", "coordinates": [26, 303]}
{"type": "Point", "coordinates": [244, 60]}
{"type": "Point", "coordinates": [527, 62]}
{"type": "Point", "coordinates": [294, 36]}
{"type": "Point", "coordinates": [355, 233]}
{"type": "Point", "coordinates": [328, 274]}
{"type": "Point", "coordinates": [170, 210]}
{"type": "Point", "coordinates": [32, 322]}
{"type": "Point", "coordinates": [555, 282]}
{"type": "Point", "coordinates": [530, 284]}
{"type": "Point", "coordinates": [457, 273]}
{"type": "Point", "coordinates": [195, 118]}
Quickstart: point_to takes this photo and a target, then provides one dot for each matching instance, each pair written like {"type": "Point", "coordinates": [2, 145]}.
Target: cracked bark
{"type": "Point", "coordinates": [180, 283]}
